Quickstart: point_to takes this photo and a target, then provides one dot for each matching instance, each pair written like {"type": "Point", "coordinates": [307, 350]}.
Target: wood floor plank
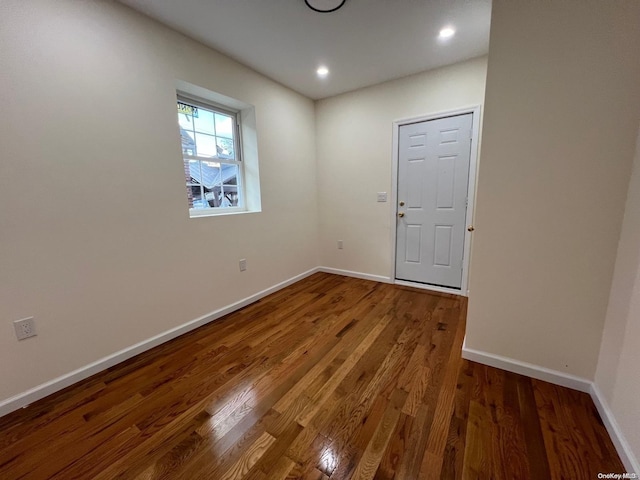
{"type": "Point", "coordinates": [438, 432]}
{"type": "Point", "coordinates": [249, 458]}
{"type": "Point", "coordinates": [478, 460]}
{"type": "Point", "coordinates": [417, 391]}
{"type": "Point", "coordinates": [358, 406]}
{"type": "Point", "coordinates": [281, 469]}
{"type": "Point", "coordinates": [453, 459]}
{"type": "Point", "coordinates": [329, 378]}
{"type": "Point", "coordinates": [534, 441]}
{"type": "Point", "coordinates": [372, 456]}
{"type": "Point", "coordinates": [348, 342]}
{"type": "Point", "coordinates": [512, 432]}
{"type": "Point", "coordinates": [364, 386]}
{"type": "Point", "coordinates": [398, 445]}
{"type": "Point", "coordinates": [410, 461]}
{"type": "Point", "coordinates": [279, 447]}
{"type": "Point", "coordinates": [416, 361]}
{"type": "Point", "coordinates": [318, 400]}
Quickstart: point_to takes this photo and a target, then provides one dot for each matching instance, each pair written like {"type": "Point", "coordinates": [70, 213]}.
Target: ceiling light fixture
{"type": "Point", "coordinates": [447, 32]}
{"type": "Point", "coordinates": [322, 71]}
{"type": "Point", "coordinates": [324, 6]}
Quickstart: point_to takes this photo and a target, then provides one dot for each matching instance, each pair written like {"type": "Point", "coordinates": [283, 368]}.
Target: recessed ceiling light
{"type": "Point", "coordinates": [447, 32]}
{"type": "Point", "coordinates": [322, 71]}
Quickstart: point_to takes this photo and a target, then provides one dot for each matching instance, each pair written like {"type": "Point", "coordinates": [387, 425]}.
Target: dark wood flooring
{"type": "Point", "coordinates": [330, 378]}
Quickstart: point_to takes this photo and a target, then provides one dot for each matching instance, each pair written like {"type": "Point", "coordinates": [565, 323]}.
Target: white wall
{"type": "Point", "coordinates": [95, 237]}
{"type": "Point", "coordinates": [561, 116]}
{"type": "Point", "coordinates": [617, 373]}
{"type": "Point", "coordinates": [354, 137]}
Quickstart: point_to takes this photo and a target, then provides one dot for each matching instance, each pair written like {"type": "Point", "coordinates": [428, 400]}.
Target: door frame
{"type": "Point", "coordinates": [471, 191]}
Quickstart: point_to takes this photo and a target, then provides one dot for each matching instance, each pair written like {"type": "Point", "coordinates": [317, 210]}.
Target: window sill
{"type": "Point", "coordinates": [201, 213]}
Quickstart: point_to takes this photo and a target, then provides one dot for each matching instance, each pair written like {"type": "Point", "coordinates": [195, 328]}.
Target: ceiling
{"type": "Point", "coordinates": [363, 43]}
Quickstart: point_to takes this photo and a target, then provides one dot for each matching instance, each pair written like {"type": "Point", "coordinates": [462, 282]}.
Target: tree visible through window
{"type": "Point", "coordinates": [210, 152]}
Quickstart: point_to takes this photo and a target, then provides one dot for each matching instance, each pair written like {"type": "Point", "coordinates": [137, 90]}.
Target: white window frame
{"type": "Point", "coordinates": [238, 160]}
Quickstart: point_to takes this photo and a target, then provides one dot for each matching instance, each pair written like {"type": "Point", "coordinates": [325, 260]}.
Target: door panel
{"type": "Point", "coordinates": [414, 183]}
{"type": "Point", "coordinates": [433, 176]}
{"type": "Point", "coordinates": [443, 245]}
{"type": "Point", "coordinates": [445, 186]}
{"type": "Point", "coordinates": [412, 248]}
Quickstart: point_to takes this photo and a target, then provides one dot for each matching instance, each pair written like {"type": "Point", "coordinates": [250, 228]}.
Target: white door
{"type": "Point", "coordinates": [433, 177]}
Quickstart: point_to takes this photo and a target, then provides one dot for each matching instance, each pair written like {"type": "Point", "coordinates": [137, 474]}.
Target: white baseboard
{"type": "Point", "coordinates": [528, 369]}
{"type": "Point", "coordinates": [349, 273]}
{"type": "Point", "coordinates": [25, 398]}
{"type": "Point", "coordinates": [571, 381]}
{"type": "Point", "coordinates": [627, 456]}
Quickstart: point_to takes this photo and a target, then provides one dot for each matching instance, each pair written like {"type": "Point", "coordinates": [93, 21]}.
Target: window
{"type": "Point", "coordinates": [212, 158]}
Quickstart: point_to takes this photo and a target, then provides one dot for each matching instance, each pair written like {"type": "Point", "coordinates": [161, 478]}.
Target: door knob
{"type": "Point", "coordinates": [401, 214]}
{"type": "Point", "coordinates": [470, 228]}
{"type": "Point", "coordinates": [402, 204]}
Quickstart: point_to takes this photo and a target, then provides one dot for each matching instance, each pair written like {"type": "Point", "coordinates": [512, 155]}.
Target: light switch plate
{"type": "Point", "coordinates": [382, 196]}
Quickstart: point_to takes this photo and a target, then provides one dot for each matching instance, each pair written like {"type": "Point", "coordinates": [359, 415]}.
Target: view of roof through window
{"type": "Point", "coordinates": [212, 169]}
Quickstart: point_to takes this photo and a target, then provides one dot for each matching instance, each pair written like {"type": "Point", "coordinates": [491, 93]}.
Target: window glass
{"type": "Point", "coordinates": [204, 122]}
{"type": "Point", "coordinates": [212, 170]}
{"type": "Point", "coordinates": [224, 147]}
{"type": "Point", "coordinates": [205, 145]}
{"type": "Point", "coordinates": [224, 126]}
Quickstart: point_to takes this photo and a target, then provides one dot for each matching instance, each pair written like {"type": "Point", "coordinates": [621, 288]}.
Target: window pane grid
{"type": "Point", "coordinates": [209, 146]}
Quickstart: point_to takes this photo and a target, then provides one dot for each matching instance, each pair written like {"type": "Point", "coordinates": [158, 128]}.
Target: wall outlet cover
{"type": "Point", "coordinates": [25, 328]}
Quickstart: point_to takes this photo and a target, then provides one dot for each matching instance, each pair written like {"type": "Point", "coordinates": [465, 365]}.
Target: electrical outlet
{"type": "Point", "coordinates": [25, 328]}
{"type": "Point", "coordinates": [340, 245]}
{"type": "Point", "coordinates": [243, 264]}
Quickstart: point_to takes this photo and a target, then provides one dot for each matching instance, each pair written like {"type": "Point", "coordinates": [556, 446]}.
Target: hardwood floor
{"type": "Point", "coordinates": [330, 378]}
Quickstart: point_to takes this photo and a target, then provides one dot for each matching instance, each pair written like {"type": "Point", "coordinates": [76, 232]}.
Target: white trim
{"type": "Point", "coordinates": [349, 273]}
{"type": "Point", "coordinates": [216, 212]}
{"type": "Point", "coordinates": [627, 456]}
{"type": "Point", "coordinates": [25, 398]}
{"type": "Point", "coordinates": [475, 110]}
{"type": "Point", "coordinates": [426, 286]}
{"type": "Point", "coordinates": [528, 369]}
{"type": "Point", "coordinates": [471, 195]}
{"type": "Point", "coordinates": [393, 211]}
{"type": "Point", "coordinates": [214, 159]}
